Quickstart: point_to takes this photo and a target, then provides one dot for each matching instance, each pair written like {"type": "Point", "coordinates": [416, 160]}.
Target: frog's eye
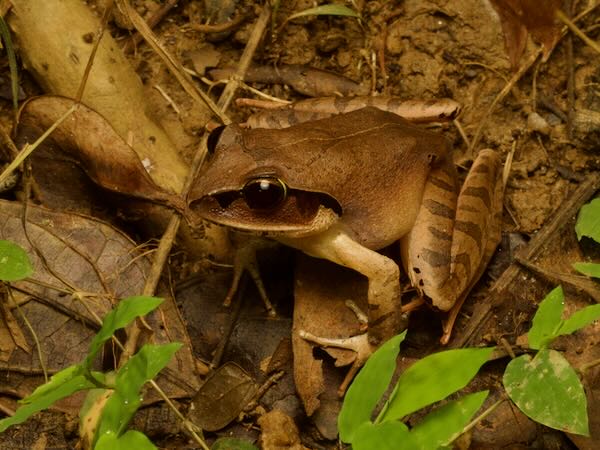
{"type": "Point", "coordinates": [264, 192]}
{"type": "Point", "coordinates": [213, 138]}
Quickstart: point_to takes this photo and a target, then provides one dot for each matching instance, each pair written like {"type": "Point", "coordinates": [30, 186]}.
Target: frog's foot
{"type": "Point", "coordinates": [359, 344]}
{"type": "Point", "coordinates": [245, 260]}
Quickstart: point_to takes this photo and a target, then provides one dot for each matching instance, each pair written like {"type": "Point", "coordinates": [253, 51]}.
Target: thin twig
{"type": "Point", "coordinates": [28, 149]}
{"type": "Point", "coordinates": [575, 29]}
{"type": "Point", "coordinates": [34, 335]}
{"type": "Point", "coordinates": [171, 63]}
{"type": "Point", "coordinates": [246, 59]}
{"type": "Point", "coordinates": [461, 131]}
{"type": "Point", "coordinates": [152, 22]}
{"type": "Point", "coordinates": [219, 27]}
{"type": "Point", "coordinates": [188, 426]}
{"type": "Point", "coordinates": [570, 76]}
{"type": "Point", "coordinates": [92, 57]}
{"type": "Point", "coordinates": [505, 90]}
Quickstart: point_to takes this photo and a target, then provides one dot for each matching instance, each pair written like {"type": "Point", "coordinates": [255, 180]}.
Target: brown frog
{"type": "Point", "coordinates": [343, 187]}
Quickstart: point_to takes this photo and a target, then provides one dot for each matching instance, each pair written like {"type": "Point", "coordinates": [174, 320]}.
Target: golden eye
{"type": "Point", "coordinates": [264, 192]}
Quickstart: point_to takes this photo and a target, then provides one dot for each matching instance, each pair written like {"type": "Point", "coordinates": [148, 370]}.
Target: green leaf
{"type": "Point", "coordinates": [325, 10]}
{"type": "Point", "coordinates": [433, 378]}
{"type": "Point", "coordinates": [588, 221]}
{"type": "Point", "coordinates": [447, 422]}
{"type": "Point", "coordinates": [128, 441]}
{"type": "Point", "coordinates": [368, 387]}
{"type": "Point", "coordinates": [589, 269]}
{"type": "Point", "coordinates": [547, 319]}
{"type": "Point", "coordinates": [14, 262]}
{"type": "Point", "coordinates": [56, 380]}
{"type": "Point", "coordinates": [125, 312]}
{"type": "Point", "coordinates": [232, 444]}
{"type": "Point", "coordinates": [46, 397]}
{"type": "Point", "coordinates": [144, 366]}
{"type": "Point", "coordinates": [546, 389]}
{"type": "Point", "coordinates": [390, 435]}
{"type": "Point", "coordinates": [580, 319]}
{"type": "Point", "coordinates": [126, 399]}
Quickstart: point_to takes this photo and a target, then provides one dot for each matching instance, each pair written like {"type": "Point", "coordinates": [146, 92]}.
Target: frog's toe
{"type": "Point", "coordinates": [359, 344]}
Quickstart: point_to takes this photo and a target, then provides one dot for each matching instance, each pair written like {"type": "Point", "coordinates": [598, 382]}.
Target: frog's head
{"type": "Point", "coordinates": [248, 187]}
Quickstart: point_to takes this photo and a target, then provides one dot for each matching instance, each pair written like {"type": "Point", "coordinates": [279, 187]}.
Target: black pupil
{"type": "Point", "coordinates": [264, 193]}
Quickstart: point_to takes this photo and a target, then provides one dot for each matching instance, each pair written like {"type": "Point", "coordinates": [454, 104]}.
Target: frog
{"type": "Point", "coordinates": [343, 187]}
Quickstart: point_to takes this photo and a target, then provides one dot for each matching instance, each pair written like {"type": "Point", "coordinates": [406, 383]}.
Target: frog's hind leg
{"type": "Point", "coordinates": [455, 236]}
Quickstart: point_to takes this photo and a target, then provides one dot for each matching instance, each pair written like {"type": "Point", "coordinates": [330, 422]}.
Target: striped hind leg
{"type": "Point", "coordinates": [455, 234]}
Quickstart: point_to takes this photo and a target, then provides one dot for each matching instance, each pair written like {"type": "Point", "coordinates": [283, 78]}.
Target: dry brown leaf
{"type": "Point", "coordinates": [222, 397]}
{"type": "Point", "coordinates": [73, 252]}
{"type": "Point", "coordinates": [518, 17]}
{"type": "Point", "coordinates": [88, 139]}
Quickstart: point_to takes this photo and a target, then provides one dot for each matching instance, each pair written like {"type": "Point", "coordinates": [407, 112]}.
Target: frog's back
{"type": "Point", "coordinates": [374, 163]}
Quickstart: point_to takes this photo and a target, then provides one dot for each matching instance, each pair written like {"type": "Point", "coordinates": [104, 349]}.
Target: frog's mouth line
{"type": "Point", "coordinates": [302, 212]}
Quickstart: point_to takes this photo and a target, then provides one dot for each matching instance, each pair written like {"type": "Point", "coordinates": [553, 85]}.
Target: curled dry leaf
{"type": "Point", "coordinates": [113, 89]}
{"type": "Point", "coordinates": [518, 17]}
{"type": "Point", "coordinates": [81, 267]}
{"type": "Point", "coordinates": [305, 80]}
{"type": "Point", "coordinates": [89, 140]}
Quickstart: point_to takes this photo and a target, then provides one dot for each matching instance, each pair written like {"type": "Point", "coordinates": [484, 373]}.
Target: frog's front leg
{"type": "Point", "coordinates": [455, 234]}
{"type": "Point", "coordinates": [382, 273]}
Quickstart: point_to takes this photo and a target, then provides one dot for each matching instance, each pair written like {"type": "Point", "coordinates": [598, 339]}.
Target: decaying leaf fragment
{"type": "Point", "coordinates": [520, 17]}
{"type": "Point", "coordinates": [222, 397]}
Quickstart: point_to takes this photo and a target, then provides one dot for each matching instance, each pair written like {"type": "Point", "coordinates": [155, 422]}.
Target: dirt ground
{"type": "Point", "coordinates": [548, 115]}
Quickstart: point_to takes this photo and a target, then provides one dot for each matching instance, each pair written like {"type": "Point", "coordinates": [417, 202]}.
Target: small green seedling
{"type": "Point", "coordinates": [113, 397]}
{"type": "Point", "coordinates": [588, 225]}
{"type": "Point", "coordinates": [545, 387]}
{"type": "Point", "coordinates": [424, 383]}
{"type": "Point", "coordinates": [121, 390]}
